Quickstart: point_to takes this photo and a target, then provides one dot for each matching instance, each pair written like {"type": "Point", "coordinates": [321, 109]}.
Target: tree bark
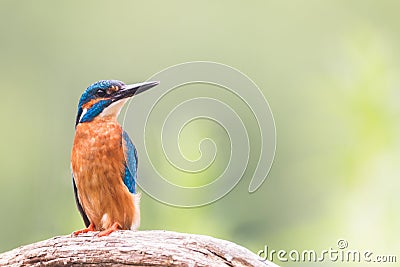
{"type": "Point", "coordinates": [140, 248]}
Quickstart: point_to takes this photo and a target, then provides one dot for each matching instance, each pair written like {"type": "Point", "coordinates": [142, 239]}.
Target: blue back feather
{"type": "Point", "coordinates": [131, 164]}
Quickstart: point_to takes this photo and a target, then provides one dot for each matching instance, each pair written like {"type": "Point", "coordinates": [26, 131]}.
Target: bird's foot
{"type": "Point", "coordinates": [115, 227]}
{"type": "Point", "coordinates": [90, 228]}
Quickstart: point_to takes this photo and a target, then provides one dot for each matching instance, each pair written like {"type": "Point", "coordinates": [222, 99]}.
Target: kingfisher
{"type": "Point", "coordinates": [104, 160]}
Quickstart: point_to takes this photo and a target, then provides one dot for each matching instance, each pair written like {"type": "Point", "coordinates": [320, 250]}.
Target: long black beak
{"type": "Point", "coordinates": [132, 89]}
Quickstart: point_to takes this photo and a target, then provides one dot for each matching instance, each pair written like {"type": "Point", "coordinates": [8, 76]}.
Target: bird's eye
{"type": "Point", "coordinates": [101, 93]}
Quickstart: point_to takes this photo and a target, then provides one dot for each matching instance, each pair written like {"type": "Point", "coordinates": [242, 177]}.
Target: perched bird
{"type": "Point", "coordinates": [104, 160]}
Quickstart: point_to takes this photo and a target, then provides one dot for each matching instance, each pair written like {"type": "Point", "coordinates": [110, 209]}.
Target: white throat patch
{"type": "Point", "coordinates": [83, 113]}
{"type": "Point", "coordinates": [114, 109]}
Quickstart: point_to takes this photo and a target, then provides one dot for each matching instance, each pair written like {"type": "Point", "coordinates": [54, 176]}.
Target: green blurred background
{"type": "Point", "coordinates": [329, 70]}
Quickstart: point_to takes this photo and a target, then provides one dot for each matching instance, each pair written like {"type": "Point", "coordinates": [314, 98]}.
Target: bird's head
{"type": "Point", "coordinates": [106, 98]}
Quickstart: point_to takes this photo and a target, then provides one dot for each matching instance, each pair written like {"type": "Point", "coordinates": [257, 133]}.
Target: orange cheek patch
{"type": "Point", "coordinates": [89, 104]}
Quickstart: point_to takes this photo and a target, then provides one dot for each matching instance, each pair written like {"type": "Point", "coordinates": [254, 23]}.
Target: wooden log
{"type": "Point", "coordinates": [139, 248]}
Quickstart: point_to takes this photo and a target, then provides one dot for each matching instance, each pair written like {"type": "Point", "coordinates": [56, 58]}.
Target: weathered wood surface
{"type": "Point", "coordinates": [124, 248]}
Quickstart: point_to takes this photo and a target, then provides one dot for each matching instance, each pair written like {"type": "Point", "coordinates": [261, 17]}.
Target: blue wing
{"type": "Point", "coordinates": [131, 161]}
{"type": "Point", "coordinates": [78, 204]}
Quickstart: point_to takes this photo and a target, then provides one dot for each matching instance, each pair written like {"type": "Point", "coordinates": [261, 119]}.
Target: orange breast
{"type": "Point", "coordinates": [98, 167]}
